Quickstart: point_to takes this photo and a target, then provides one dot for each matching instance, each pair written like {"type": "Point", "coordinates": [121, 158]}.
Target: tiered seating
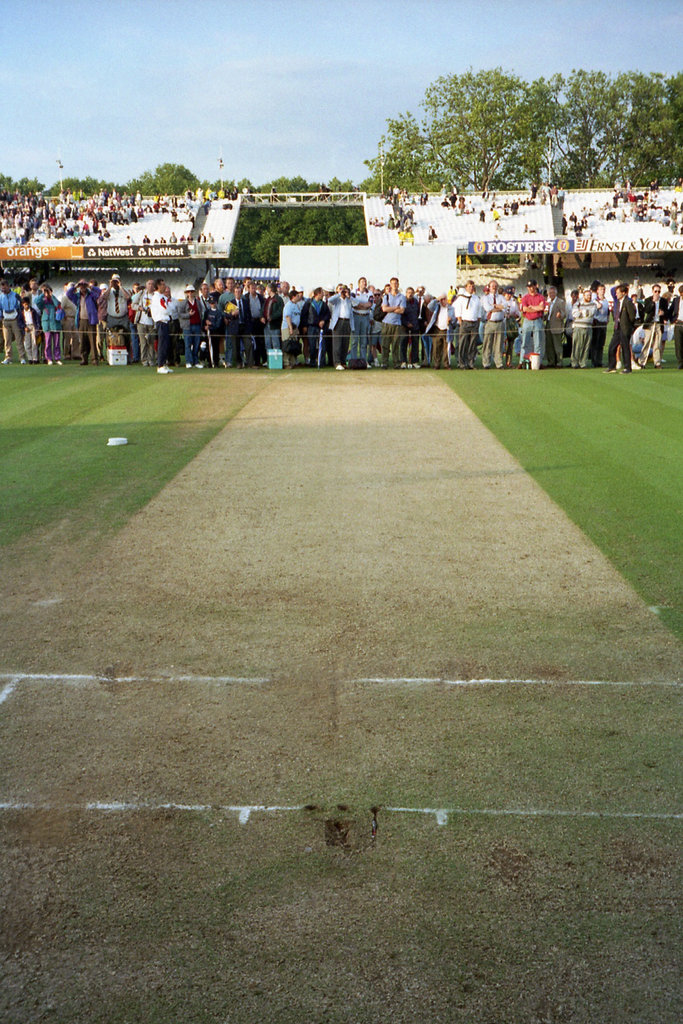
{"type": "Point", "coordinates": [595, 205]}
{"type": "Point", "coordinates": [221, 224]}
{"type": "Point", "coordinates": [459, 229]}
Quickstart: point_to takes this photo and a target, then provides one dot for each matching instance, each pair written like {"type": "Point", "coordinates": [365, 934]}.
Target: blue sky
{"type": "Point", "coordinates": [293, 87]}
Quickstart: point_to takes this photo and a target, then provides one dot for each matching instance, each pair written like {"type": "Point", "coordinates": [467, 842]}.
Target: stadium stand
{"type": "Point", "coordinates": [458, 228]}
{"type": "Point", "coordinates": [606, 216]}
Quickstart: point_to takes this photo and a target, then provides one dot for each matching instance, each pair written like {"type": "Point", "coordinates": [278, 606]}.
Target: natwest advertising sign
{"type": "Point", "coordinates": [60, 251]}
{"type": "Point", "coordinates": [134, 252]}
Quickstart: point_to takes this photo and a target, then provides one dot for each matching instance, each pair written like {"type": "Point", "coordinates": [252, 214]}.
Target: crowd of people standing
{"type": "Point", "coordinates": [229, 323]}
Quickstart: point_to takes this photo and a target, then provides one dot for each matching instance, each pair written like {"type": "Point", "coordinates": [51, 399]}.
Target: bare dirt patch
{"type": "Point", "coordinates": [340, 528]}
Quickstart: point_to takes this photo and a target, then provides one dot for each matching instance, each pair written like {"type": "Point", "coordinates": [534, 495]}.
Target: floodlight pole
{"type": "Point", "coordinates": [61, 180]}
{"type": "Point", "coordinates": [220, 168]}
{"type": "Point", "coordinates": [381, 168]}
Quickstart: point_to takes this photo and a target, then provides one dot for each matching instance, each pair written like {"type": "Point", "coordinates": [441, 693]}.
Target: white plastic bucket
{"type": "Point", "coordinates": [535, 360]}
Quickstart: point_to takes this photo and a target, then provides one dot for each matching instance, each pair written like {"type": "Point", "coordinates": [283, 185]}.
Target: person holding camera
{"type": "Point", "coordinates": [116, 298]}
{"type": "Point", "coordinates": [341, 325]}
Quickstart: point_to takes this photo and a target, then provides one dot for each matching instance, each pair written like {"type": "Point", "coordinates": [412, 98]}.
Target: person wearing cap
{"type": "Point", "coordinates": [9, 313]}
{"type": "Point", "coordinates": [191, 326]}
{"type": "Point", "coordinates": [48, 307]}
{"type": "Point", "coordinates": [533, 309]}
{"type": "Point", "coordinates": [85, 299]}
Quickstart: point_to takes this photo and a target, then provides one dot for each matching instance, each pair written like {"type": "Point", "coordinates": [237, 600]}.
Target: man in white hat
{"type": "Point", "coordinates": [191, 325]}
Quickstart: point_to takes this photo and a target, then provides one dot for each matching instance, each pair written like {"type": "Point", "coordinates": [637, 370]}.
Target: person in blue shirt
{"type": "Point", "coordinates": [10, 307]}
{"type": "Point", "coordinates": [393, 307]}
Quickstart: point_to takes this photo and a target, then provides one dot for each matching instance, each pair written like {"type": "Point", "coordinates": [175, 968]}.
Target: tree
{"type": "Point", "coordinates": [23, 185]}
{"type": "Point", "coordinates": [674, 99]}
{"type": "Point", "coordinates": [86, 186]}
{"type": "Point", "coordinates": [472, 134]}
{"type": "Point", "coordinates": [262, 230]}
{"type": "Point", "coordinates": [166, 179]}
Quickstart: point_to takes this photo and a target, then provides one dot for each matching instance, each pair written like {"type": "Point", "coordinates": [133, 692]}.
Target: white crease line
{"type": "Point", "coordinates": [389, 680]}
{"type": "Point", "coordinates": [77, 679]}
{"type": "Point", "coordinates": [8, 689]}
{"type": "Point", "coordinates": [58, 677]}
{"type": "Point", "coordinates": [244, 811]}
{"type": "Point", "coordinates": [442, 814]}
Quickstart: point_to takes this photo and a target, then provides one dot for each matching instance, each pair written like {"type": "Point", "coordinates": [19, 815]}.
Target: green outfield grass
{"type": "Point", "coordinates": [609, 451]}
{"type": "Point", "coordinates": [55, 464]}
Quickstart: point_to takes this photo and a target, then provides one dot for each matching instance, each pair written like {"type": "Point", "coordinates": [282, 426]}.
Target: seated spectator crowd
{"type": "Point", "coordinates": [234, 324]}
{"type": "Point", "coordinates": [37, 218]}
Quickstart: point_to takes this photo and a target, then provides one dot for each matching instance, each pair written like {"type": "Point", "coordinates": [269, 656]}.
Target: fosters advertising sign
{"type": "Point", "coordinates": [577, 245]}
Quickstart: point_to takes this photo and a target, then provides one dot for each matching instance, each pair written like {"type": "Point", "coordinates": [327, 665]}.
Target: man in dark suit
{"type": "Point", "coordinates": [676, 318]}
{"type": "Point", "coordinates": [624, 313]}
{"type": "Point", "coordinates": [250, 308]}
{"type": "Point", "coordinates": [555, 316]}
{"type": "Point", "coordinates": [655, 315]}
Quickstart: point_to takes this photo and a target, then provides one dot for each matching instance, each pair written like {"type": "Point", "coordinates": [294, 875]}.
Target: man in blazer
{"type": "Point", "coordinates": [676, 318]}
{"type": "Point", "coordinates": [250, 308]}
{"type": "Point", "coordinates": [555, 316]}
{"type": "Point", "coordinates": [655, 315]}
{"type": "Point", "coordinates": [624, 313]}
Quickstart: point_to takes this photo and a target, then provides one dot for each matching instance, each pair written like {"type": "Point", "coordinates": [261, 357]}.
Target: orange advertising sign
{"type": "Point", "coordinates": [41, 251]}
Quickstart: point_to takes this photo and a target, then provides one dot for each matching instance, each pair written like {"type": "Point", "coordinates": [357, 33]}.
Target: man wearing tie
{"type": "Point", "coordinates": [624, 320]}
{"type": "Point", "coordinates": [469, 312]}
{"type": "Point", "coordinates": [676, 318]}
{"type": "Point", "coordinates": [655, 314]}
{"type": "Point", "coordinates": [555, 317]}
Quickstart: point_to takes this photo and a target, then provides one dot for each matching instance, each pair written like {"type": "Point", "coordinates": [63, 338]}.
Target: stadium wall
{"type": "Point", "coordinates": [308, 266]}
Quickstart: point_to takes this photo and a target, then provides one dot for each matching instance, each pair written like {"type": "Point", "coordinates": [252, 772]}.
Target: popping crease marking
{"type": "Point", "coordinates": [442, 814]}
{"type": "Point", "coordinates": [77, 679]}
{"type": "Point", "coordinates": [8, 688]}
{"type": "Point", "coordinates": [521, 682]}
{"type": "Point", "coordinates": [244, 811]}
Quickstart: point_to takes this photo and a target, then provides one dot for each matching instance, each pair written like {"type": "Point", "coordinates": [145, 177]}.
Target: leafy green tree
{"type": "Point", "coordinates": [166, 179]}
{"type": "Point", "coordinates": [472, 133]}
{"type": "Point", "coordinates": [23, 185]}
{"type": "Point", "coordinates": [86, 186]}
{"type": "Point", "coordinates": [262, 230]}
{"type": "Point", "coordinates": [674, 99]}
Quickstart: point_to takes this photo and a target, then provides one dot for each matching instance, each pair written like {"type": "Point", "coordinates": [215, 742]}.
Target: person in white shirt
{"type": "Point", "coordinates": [141, 303]}
{"type": "Point", "coordinates": [494, 328]}
{"type": "Point", "coordinates": [441, 315]}
{"type": "Point", "coordinates": [362, 302]}
{"type": "Point", "coordinates": [162, 319]}
{"type": "Point", "coordinates": [469, 312]}
{"type": "Point", "coordinates": [341, 325]}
